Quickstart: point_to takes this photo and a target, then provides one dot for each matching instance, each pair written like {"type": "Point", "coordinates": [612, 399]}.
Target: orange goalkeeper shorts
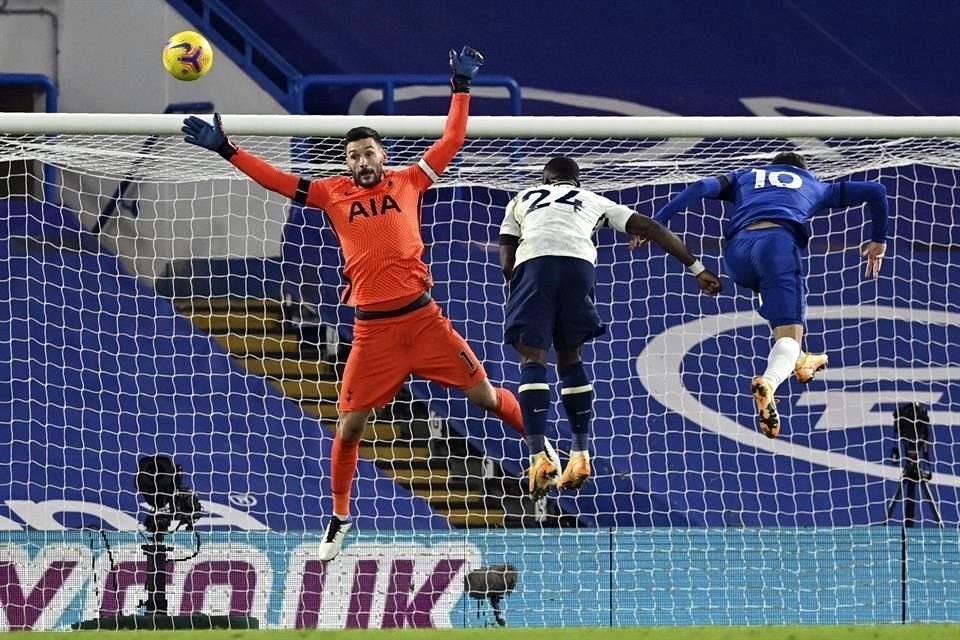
{"type": "Point", "coordinates": [387, 350]}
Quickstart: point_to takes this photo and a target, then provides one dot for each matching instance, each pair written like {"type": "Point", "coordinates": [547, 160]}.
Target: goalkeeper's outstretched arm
{"type": "Point", "coordinates": [438, 157]}
{"type": "Point", "coordinates": [463, 66]}
{"type": "Point", "coordinates": [211, 136]}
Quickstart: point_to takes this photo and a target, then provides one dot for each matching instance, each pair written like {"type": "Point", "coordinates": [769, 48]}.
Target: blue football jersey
{"type": "Point", "coordinates": [784, 194]}
{"type": "Point", "coordinates": [781, 193]}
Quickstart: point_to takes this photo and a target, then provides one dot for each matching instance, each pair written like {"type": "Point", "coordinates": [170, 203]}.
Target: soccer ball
{"type": "Point", "coordinates": [187, 56]}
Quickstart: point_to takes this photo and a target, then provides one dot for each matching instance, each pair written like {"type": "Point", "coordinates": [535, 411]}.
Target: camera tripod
{"type": "Point", "coordinates": [156, 552]}
{"type": "Point", "coordinates": [160, 481]}
{"type": "Point", "coordinates": [912, 478]}
{"type": "Point", "coordinates": [153, 612]}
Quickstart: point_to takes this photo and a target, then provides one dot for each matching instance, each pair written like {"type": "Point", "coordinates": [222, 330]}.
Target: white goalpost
{"type": "Point", "coordinates": [155, 301]}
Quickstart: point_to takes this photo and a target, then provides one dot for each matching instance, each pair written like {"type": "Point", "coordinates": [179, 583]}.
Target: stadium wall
{"type": "Point", "coordinates": [109, 58]}
{"type": "Point", "coordinates": [635, 58]}
{"type": "Point", "coordinates": [28, 40]}
{"type": "Point", "coordinates": [109, 62]}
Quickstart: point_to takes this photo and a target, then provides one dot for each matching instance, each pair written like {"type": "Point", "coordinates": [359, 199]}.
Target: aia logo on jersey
{"type": "Point", "coordinates": [372, 208]}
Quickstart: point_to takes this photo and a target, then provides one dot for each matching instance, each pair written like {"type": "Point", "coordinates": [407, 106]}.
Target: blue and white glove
{"type": "Point", "coordinates": [464, 66]}
{"type": "Point", "coordinates": [209, 136]}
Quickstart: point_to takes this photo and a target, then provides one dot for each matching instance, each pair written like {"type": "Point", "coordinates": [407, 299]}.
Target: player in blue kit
{"type": "Point", "coordinates": [763, 240]}
{"type": "Point", "coordinates": [547, 252]}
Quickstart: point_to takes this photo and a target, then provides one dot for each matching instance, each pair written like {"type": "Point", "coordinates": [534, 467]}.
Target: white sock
{"type": "Point", "coordinates": [783, 358]}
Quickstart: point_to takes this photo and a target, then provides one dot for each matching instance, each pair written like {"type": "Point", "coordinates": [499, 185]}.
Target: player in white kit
{"type": "Point", "coordinates": [548, 255]}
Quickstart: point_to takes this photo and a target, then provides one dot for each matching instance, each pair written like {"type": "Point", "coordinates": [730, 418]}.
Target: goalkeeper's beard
{"type": "Point", "coordinates": [367, 177]}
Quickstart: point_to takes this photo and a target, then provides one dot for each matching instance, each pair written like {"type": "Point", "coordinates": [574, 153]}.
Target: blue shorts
{"type": "Point", "coordinates": [552, 303]}
{"type": "Point", "coordinates": [768, 262]}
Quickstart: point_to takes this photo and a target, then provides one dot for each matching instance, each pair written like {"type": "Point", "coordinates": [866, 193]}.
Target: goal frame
{"type": "Point", "coordinates": [743, 555]}
{"type": "Point", "coordinates": [499, 126]}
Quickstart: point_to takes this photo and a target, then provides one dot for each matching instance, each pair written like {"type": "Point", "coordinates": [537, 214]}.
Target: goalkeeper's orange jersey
{"type": "Point", "coordinates": [378, 227]}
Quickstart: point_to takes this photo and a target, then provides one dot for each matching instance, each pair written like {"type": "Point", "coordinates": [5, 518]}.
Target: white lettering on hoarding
{"type": "Point", "coordinates": [382, 583]}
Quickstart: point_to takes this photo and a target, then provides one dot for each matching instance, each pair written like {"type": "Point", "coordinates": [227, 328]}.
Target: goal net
{"type": "Point", "coordinates": [157, 302]}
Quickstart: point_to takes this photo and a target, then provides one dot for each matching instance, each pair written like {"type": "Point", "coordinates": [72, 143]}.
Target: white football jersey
{"type": "Point", "coordinates": [560, 220]}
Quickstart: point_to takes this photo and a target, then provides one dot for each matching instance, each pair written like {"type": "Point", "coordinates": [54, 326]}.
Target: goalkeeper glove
{"type": "Point", "coordinates": [208, 136]}
{"type": "Point", "coordinates": [464, 66]}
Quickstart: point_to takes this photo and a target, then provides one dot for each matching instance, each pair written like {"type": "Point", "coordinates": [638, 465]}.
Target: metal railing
{"type": "Point", "coordinates": [388, 83]}
{"type": "Point", "coordinates": [42, 84]}
{"type": "Point", "coordinates": [274, 74]}
{"type": "Point", "coordinates": [243, 45]}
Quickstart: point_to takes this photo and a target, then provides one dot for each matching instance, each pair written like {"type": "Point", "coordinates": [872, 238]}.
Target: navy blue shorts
{"type": "Point", "coordinates": [552, 303]}
{"type": "Point", "coordinates": [768, 262]}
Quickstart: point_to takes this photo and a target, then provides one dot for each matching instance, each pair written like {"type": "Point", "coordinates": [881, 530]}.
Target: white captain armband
{"type": "Point", "coordinates": [427, 169]}
{"type": "Point", "coordinates": [696, 268]}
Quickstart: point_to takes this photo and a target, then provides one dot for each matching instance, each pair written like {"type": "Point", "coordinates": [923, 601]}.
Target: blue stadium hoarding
{"type": "Point", "coordinates": [623, 577]}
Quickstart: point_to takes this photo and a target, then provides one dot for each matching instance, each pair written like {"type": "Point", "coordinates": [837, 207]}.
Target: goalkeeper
{"type": "Point", "coordinates": [399, 329]}
{"type": "Point", "coordinates": [548, 255]}
{"type": "Point", "coordinates": [763, 240]}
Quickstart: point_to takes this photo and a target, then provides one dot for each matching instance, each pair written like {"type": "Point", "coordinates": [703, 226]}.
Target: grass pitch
{"type": "Point", "coordinates": [892, 631]}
